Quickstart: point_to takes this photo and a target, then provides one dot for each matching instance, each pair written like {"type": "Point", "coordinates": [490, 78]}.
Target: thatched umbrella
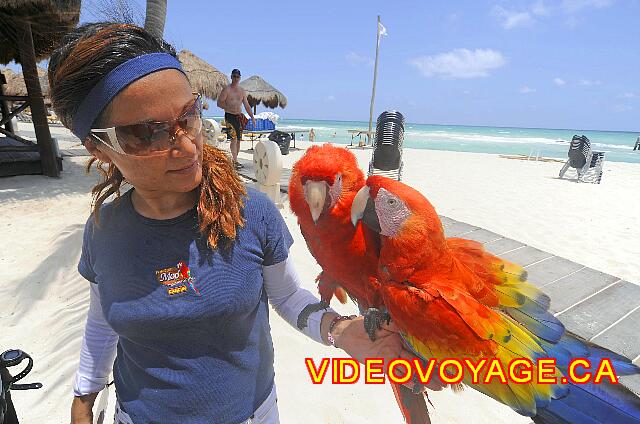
{"type": "Point", "coordinates": [260, 91]}
{"type": "Point", "coordinates": [15, 83]}
{"type": "Point", "coordinates": [50, 20]}
{"type": "Point", "coordinates": [204, 78]}
{"type": "Point", "coordinates": [17, 87]}
{"type": "Point", "coordinates": [29, 31]}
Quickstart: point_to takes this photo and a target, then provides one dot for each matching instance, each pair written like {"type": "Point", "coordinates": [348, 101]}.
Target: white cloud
{"type": "Point", "coordinates": [354, 58]}
{"type": "Point", "coordinates": [527, 90]}
{"type": "Point", "coordinates": [459, 63]}
{"type": "Point", "coordinates": [559, 82]}
{"type": "Point", "coordinates": [628, 95]}
{"type": "Point", "coordinates": [529, 14]}
{"type": "Point", "coordinates": [589, 83]}
{"type": "Point", "coordinates": [512, 19]}
{"type": "Point", "coordinates": [516, 18]}
{"type": "Point", "coordinates": [331, 98]}
{"type": "Point", "coordinates": [573, 6]}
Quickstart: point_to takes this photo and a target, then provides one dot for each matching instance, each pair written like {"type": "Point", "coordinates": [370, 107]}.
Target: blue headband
{"type": "Point", "coordinates": [115, 81]}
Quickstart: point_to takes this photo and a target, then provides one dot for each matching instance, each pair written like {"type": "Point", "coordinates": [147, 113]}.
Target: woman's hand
{"type": "Point", "coordinates": [351, 336]}
{"type": "Point", "coordinates": [81, 409]}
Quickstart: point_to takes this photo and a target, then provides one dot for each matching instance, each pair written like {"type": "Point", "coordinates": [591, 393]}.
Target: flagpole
{"type": "Point", "coordinates": [375, 76]}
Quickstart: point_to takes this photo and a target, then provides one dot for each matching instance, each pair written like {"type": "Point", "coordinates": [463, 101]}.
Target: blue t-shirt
{"type": "Point", "coordinates": [194, 337]}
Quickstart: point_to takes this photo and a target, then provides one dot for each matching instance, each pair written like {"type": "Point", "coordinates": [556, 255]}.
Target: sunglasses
{"type": "Point", "coordinates": [148, 138]}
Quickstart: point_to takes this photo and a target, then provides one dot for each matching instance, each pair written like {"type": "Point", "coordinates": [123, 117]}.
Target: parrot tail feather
{"type": "Point", "coordinates": [571, 346]}
{"type": "Point", "coordinates": [540, 322]}
{"type": "Point", "coordinates": [412, 405]}
{"type": "Point", "coordinates": [590, 402]}
{"type": "Point", "coordinates": [593, 403]}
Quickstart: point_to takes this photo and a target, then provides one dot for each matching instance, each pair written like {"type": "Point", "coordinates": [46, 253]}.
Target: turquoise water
{"type": "Point", "coordinates": [545, 142]}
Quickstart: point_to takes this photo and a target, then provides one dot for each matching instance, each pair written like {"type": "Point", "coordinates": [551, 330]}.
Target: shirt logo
{"type": "Point", "coordinates": [177, 279]}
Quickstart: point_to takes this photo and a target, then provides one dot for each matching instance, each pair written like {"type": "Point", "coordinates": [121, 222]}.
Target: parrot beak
{"type": "Point", "coordinates": [364, 208]}
{"type": "Point", "coordinates": [315, 193]}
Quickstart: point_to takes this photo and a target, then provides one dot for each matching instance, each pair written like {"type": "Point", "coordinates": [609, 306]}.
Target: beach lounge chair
{"type": "Point", "coordinates": [586, 162]}
{"type": "Point", "coordinates": [386, 159]}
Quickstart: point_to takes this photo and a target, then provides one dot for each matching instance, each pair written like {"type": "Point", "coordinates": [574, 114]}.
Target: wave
{"type": "Point", "coordinates": [612, 146]}
{"type": "Point", "coordinates": [443, 136]}
{"type": "Point", "coordinates": [450, 136]}
{"type": "Point", "coordinates": [305, 127]}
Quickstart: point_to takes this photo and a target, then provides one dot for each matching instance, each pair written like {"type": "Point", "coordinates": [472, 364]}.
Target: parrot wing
{"type": "Point", "coordinates": [441, 322]}
{"type": "Point", "coordinates": [506, 283]}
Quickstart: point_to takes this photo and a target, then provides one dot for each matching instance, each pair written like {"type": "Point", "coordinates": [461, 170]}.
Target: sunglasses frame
{"type": "Point", "coordinates": [112, 136]}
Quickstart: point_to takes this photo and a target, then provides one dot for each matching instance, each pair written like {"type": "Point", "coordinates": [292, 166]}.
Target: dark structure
{"type": "Point", "coordinates": [29, 31]}
{"type": "Point", "coordinates": [386, 159]}
{"type": "Point", "coordinates": [587, 162]}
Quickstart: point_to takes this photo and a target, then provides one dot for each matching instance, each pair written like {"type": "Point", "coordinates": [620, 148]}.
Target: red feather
{"type": "Point", "coordinates": [346, 254]}
{"type": "Point", "coordinates": [338, 247]}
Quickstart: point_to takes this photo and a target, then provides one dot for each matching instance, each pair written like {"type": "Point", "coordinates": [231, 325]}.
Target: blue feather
{"type": "Point", "coordinates": [537, 320]}
{"type": "Point", "coordinates": [593, 403]}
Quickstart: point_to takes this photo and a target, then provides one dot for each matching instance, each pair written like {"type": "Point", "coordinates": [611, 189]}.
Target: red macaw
{"type": "Point", "coordinates": [322, 186]}
{"type": "Point", "coordinates": [451, 299]}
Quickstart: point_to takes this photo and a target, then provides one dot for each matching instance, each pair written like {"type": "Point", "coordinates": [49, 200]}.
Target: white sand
{"type": "Point", "coordinates": [44, 300]}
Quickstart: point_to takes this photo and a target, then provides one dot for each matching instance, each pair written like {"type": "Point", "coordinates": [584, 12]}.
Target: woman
{"type": "Point", "coordinates": [182, 264]}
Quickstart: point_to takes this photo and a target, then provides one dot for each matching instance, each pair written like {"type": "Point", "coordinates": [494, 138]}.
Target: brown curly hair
{"type": "Point", "coordinates": [89, 53]}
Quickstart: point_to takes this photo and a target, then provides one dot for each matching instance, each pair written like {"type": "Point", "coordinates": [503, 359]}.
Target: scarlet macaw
{"type": "Point", "coordinates": [451, 299]}
{"type": "Point", "coordinates": [322, 186]}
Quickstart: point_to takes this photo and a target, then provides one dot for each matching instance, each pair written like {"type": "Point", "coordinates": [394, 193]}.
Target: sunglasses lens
{"type": "Point", "coordinates": [153, 137]}
{"type": "Point", "coordinates": [141, 139]}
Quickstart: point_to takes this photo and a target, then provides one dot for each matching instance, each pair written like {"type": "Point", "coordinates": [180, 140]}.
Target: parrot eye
{"type": "Point", "coordinates": [391, 202]}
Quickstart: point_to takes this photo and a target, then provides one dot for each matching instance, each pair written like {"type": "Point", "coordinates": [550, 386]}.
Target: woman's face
{"type": "Point", "coordinates": [160, 96]}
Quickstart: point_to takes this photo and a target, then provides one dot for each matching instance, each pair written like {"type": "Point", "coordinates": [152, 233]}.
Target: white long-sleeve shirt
{"type": "Point", "coordinates": [99, 343]}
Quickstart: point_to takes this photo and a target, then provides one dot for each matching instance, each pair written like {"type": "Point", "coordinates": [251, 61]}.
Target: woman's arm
{"type": "Point", "coordinates": [96, 359]}
{"type": "Point", "coordinates": [289, 299]}
{"type": "Point", "coordinates": [282, 283]}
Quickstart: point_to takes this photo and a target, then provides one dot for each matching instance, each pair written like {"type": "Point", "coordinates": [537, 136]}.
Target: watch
{"type": "Point", "coordinates": [13, 357]}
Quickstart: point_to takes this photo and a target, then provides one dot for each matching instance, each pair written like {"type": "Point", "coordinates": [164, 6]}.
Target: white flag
{"type": "Point", "coordinates": [381, 29]}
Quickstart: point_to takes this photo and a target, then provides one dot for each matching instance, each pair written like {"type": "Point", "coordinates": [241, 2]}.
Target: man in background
{"type": "Point", "coordinates": [231, 100]}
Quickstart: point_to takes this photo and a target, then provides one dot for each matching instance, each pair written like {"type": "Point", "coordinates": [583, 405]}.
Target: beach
{"type": "Point", "coordinates": [45, 300]}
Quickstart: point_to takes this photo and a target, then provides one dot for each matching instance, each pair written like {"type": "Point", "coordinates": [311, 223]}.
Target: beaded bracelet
{"type": "Point", "coordinates": [333, 323]}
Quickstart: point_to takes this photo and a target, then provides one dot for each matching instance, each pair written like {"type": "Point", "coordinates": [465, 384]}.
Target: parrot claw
{"type": "Point", "coordinates": [373, 319]}
{"type": "Point", "coordinates": [308, 310]}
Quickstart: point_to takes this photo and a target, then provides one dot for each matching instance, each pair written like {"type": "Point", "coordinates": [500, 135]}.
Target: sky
{"type": "Point", "coordinates": [543, 63]}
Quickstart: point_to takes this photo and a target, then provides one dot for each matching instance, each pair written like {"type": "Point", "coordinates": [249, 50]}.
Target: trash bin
{"type": "Point", "coordinates": [282, 139]}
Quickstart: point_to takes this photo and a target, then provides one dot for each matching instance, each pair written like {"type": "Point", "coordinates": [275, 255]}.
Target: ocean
{"type": "Point", "coordinates": [500, 140]}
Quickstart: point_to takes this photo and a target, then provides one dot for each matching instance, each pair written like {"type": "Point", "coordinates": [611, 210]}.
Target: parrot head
{"type": "Point", "coordinates": [324, 179]}
{"type": "Point", "coordinates": [404, 218]}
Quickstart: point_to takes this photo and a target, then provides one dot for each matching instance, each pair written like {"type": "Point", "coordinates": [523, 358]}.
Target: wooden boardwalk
{"type": "Point", "coordinates": [596, 306]}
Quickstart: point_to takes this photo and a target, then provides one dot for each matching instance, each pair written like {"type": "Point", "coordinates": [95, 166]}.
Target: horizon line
{"type": "Point", "coordinates": [460, 125]}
